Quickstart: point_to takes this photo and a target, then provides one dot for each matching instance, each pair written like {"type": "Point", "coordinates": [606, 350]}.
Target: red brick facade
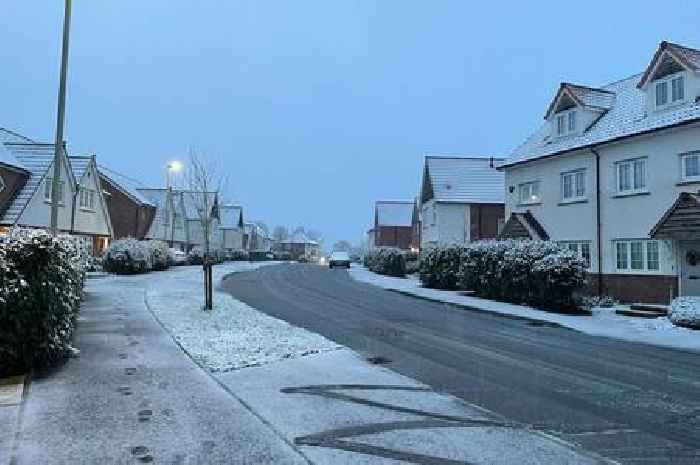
{"type": "Point", "coordinates": [393, 236]}
{"type": "Point", "coordinates": [128, 217]}
{"type": "Point", "coordinates": [628, 288]}
{"type": "Point", "coordinates": [484, 220]}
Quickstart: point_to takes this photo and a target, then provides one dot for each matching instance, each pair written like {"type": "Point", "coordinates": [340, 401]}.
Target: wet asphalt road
{"type": "Point", "coordinates": [630, 402]}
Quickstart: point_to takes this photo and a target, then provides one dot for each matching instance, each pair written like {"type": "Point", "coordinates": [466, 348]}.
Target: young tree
{"type": "Point", "coordinates": [204, 182]}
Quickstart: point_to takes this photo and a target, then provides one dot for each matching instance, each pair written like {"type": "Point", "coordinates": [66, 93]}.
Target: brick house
{"type": "Point", "coordinates": [130, 212]}
{"type": "Point", "coordinates": [26, 169]}
{"type": "Point", "coordinates": [461, 200]}
{"type": "Point", "coordinates": [393, 223]}
{"type": "Point", "coordinates": [612, 174]}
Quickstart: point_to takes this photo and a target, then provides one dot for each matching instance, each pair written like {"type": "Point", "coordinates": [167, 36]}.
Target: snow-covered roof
{"type": "Point", "coordinates": [193, 200]}
{"type": "Point", "coordinates": [7, 136]}
{"type": "Point", "coordinates": [626, 117]}
{"type": "Point", "coordinates": [79, 164]}
{"type": "Point", "coordinates": [465, 180]}
{"type": "Point", "coordinates": [36, 160]}
{"type": "Point", "coordinates": [7, 158]}
{"type": "Point", "coordinates": [394, 212]}
{"type": "Point", "coordinates": [231, 216]}
{"type": "Point", "coordinates": [128, 186]}
{"type": "Point", "coordinates": [157, 198]}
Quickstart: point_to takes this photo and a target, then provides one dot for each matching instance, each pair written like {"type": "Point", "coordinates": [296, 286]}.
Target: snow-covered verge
{"type": "Point", "coordinates": [685, 311]}
{"type": "Point", "coordinates": [603, 322]}
{"type": "Point", "coordinates": [231, 336]}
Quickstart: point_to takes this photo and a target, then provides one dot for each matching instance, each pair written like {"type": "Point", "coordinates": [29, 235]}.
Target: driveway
{"type": "Point", "coordinates": [633, 403]}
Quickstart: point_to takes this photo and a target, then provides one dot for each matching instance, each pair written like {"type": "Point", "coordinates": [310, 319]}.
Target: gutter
{"type": "Point", "coordinates": [599, 245]}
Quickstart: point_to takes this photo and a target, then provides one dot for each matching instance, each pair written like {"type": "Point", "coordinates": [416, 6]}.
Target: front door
{"type": "Point", "coordinates": [690, 267]}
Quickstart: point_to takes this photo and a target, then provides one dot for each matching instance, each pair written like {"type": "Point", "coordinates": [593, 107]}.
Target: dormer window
{"type": "Point", "coordinates": [566, 122]}
{"type": "Point", "coordinates": [669, 91]}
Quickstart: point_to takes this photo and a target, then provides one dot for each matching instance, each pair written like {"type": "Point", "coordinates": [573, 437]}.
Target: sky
{"type": "Point", "coordinates": [314, 109]}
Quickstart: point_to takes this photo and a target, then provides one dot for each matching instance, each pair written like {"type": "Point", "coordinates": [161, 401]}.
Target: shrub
{"type": "Point", "coordinates": [538, 273]}
{"type": "Point", "coordinates": [685, 311]}
{"type": "Point", "coordinates": [195, 256]}
{"type": "Point", "coordinates": [159, 254]}
{"type": "Point", "coordinates": [390, 262]}
{"type": "Point", "coordinates": [127, 256]}
{"type": "Point", "coordinates": [239, 255]}
{"type": "Point", "coordinates": [41, 283]}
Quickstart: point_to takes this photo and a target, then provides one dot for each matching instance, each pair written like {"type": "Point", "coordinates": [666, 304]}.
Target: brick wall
{"type": "Point", "coordinates": [636, 288]}
{"type": "Point", "coordinates": [129, 219]}
{"type": "Point", "coordinates": [394, 236]}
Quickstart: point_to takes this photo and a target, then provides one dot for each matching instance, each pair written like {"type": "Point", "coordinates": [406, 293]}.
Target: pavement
{"type": "Point", "coordinates": [133, 396]}
{"type": "Point", "coordinates": [632, 403]}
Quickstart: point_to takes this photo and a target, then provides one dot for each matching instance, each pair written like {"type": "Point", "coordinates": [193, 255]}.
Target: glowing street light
{"type": "Point", "coordinates": [174, 166]}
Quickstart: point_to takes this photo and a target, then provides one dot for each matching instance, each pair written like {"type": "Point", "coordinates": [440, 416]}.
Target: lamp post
{"type": "Point", "coordinates": [58, 144]}
{"type": "Point", "coordinates": [172, 167]}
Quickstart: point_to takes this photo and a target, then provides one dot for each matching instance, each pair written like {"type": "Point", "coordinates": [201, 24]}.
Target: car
{"type": "Point", "coordinates": [177, 257]}
{"type": "Point", "coordinates": [339, 259]}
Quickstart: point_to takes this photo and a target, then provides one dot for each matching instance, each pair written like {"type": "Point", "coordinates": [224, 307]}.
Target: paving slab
{"type": "Point", "coordinates": [343, 410]}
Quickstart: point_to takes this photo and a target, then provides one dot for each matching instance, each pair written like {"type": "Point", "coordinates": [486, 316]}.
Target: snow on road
{"type": "Point", "coordinates": [603, 322]}
{"type": "Point", "coordinates": [231, 336]}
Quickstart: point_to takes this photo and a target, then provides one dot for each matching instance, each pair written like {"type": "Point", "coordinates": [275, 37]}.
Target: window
{"type": "Point", "coordinates": [566, 122]}
{"type": "Point", "coordinates": [637, 255]}
{"type": "Point", "coordinates": [664, 98]}
{"type": "Point", "coordinates": [631, 176]}
{"type": "Point", "coordinates": [47, 190]}
{"type": "Point", "coordinates": [573, 185]}
{"type": "Point", "coordinates": [582, 249]}
{"type": "Point", "coordinates": [690, 166]}
{"type": "Point", "coordinates": [86, 198]}
{"type": "Point", "coordinates": [529, 192]}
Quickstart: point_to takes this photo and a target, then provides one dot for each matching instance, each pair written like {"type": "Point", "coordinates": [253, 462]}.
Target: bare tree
{"type": "Point", "coordinates": [204, 181]}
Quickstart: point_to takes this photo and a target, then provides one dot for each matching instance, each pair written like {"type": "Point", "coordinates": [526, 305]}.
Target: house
{"type": "Point", "coordinates": [393, 224]}
{"type": "Point", "coordinates": [461, 200]}
{"type": "Point", "coordinates": [168, 222]}
{"type": "Point", "coordinates": [194, 206]}
{"type": "Point", "coordinates": [300, 246]}
{"type": "Point", "coordinates": [26, 169]}
{"type": "Point", "coordinates": [130, 211]}
{"type": "Point", "coordinates": [231, 227]}
{"type": "Point", "coordinates": [613, 173]}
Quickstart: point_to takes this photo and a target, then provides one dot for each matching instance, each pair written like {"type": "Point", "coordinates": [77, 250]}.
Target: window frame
{"type": "Point", "coordinates": [48, 188]}
{"type": "Point", "coordinates": [684, 175]}
{"type": "Point", "coordinates": [565, 122]}
{"type": "Point", "coordinates": [646, 258]}
{"type": "Point", "coordinates": [667, 83]}
{"type": "Point", "coordinates": [530, 200]}
{"type": "Point", "coordinates": [633, 189]}
{"type": "Point", "coordinates": [578, 250]}
{"type": "Point", "coordinates": [574, 176]}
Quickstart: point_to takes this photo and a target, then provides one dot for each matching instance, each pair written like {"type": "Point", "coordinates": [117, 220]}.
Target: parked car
{"type": "Point", "coordinates": [177, 257]}
{"type": "Point", "coordinates": [339, 259]}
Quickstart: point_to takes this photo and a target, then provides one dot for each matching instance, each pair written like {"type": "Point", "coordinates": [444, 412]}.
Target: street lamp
{"type": "Point", "coordinates": [174, 166]}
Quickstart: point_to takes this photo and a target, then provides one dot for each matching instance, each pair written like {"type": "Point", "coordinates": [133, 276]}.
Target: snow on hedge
{"type": "Point", "coordinates": [231, 336]}
{"type": "Point", "coordinates": [685, 311]}
{"type": "Point", "coordinates": [127, 256]}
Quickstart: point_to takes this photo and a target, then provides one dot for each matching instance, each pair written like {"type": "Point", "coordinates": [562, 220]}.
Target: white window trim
{"type": "Point", "coordinates": [669, 90]}
{"type": "Point", "coordinates": [48, 189]}
{"type": "Point", "coordinates": [631, 191]}
{"type": "Point", "coordinates": [85, 193]}
{"type": "Point", "coordinates": [579, 249]}
{"type": "Point", "coordinates": [683, 156]}
{"type": "Point", "coordinates": [574, 198]}
{"type": "Point", "coordinates": [565, 126]}
{"type": "Point", "coordinates": [645, 258]}
{"type": "Point", "coordinates": [531, 201]}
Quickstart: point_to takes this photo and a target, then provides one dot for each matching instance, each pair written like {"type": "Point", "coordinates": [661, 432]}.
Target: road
{"type": "Point", "coordinates": [633, 403]}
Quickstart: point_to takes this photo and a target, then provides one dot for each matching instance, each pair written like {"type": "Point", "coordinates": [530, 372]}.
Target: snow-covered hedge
{"type": "Point", "coordinates": [195, 256]}
{"type": "Point", "coordinates": [538, 273]}
{"type": "Point", "coordinates": [159, 254]}
{"type": "Point", "coordinates": [41, 285]}
{"type": "Point", "coordinates": [685, 311]}
{"type": "Point", "coordinates": [390, 262]}
{"type": "Point", "coordinates": [128, 256]}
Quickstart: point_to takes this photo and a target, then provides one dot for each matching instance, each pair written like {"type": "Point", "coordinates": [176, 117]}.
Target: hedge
{"type": "Point", "coordinates": [159, 255]}
{"type": "Point", "coordinates": [41, 286]}
{"type": "Point", "coordinates": [390, 262]}
{"type": "Point", "coordinates": [538, 273]}
{"type": "Point", "coordinates": [128, 256]}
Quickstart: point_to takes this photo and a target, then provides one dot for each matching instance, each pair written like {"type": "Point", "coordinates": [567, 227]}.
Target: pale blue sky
{"type": "Point", "coordinates": [316, 108]}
